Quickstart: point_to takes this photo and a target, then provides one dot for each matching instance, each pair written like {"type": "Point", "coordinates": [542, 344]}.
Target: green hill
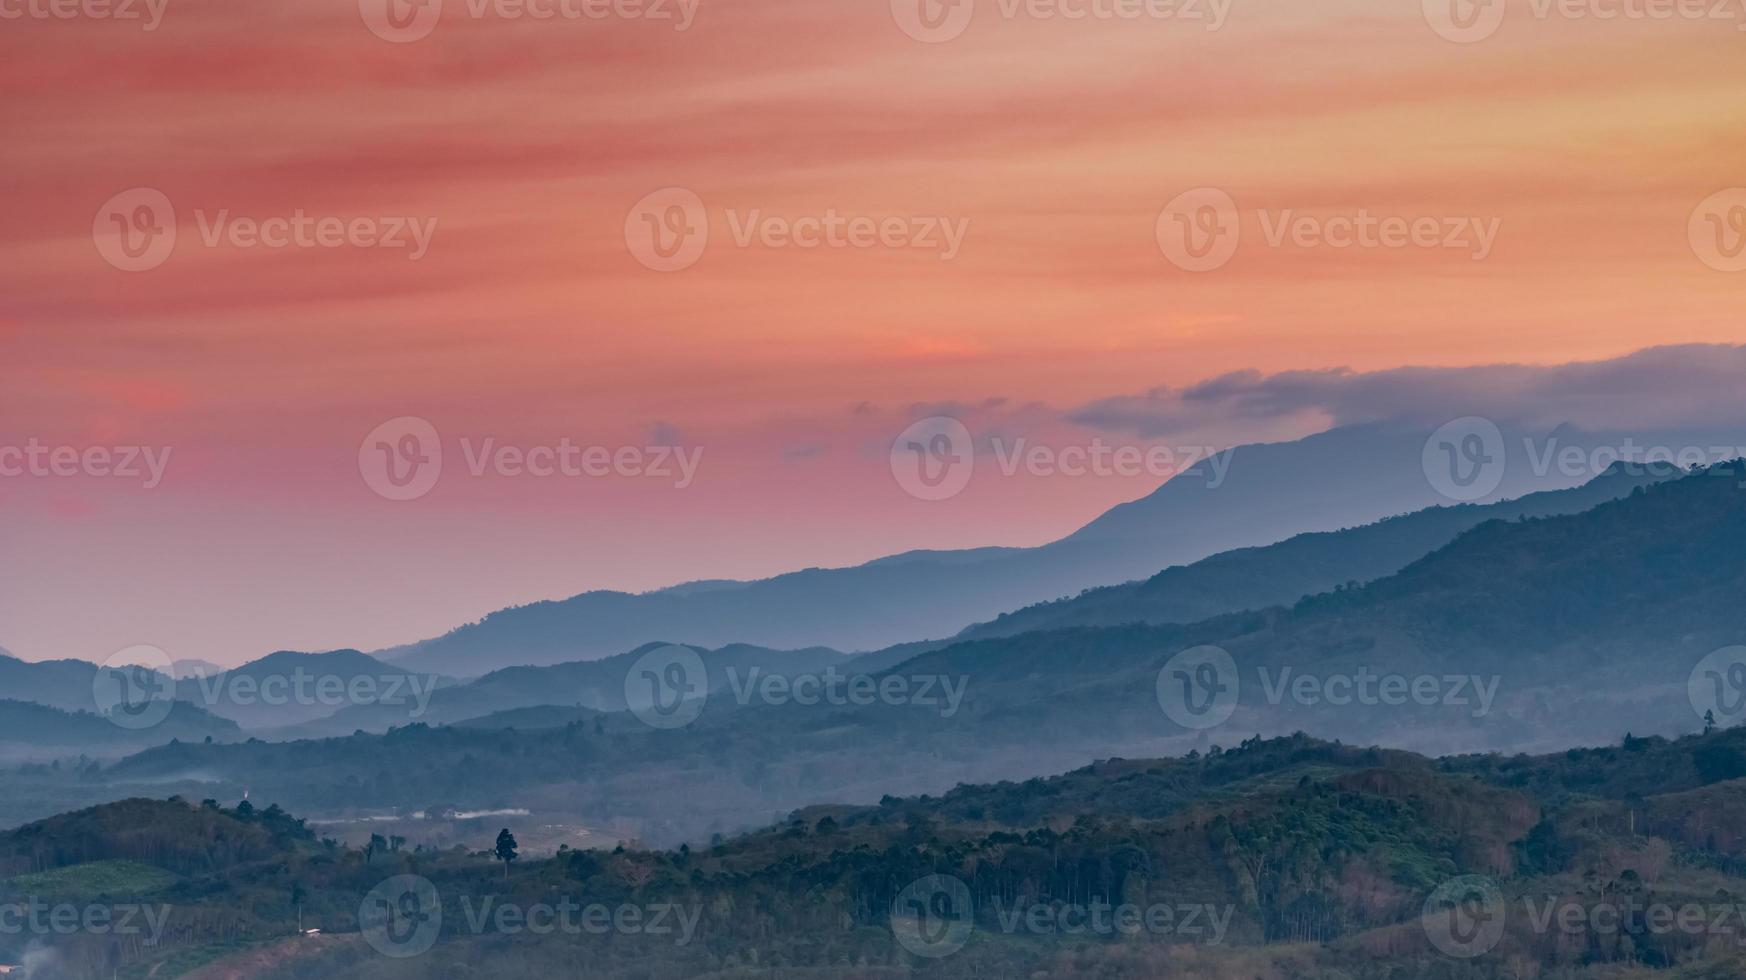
{"type": "Point", "coordinates": [1289, 859]}
{"type": "Point", "coordinates": [1308, 564]}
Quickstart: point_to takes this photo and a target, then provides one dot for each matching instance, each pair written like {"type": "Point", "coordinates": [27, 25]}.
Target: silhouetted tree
{"type": "Point", "coordinates": [505, 850]}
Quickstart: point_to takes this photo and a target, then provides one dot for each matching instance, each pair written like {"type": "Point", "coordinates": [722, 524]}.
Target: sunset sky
{"type": "Point", "coordinates": [1590, 146]}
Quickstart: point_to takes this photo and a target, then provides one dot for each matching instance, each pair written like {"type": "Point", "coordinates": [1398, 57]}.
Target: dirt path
{"type": "Point", "coordinates": [254, 962]}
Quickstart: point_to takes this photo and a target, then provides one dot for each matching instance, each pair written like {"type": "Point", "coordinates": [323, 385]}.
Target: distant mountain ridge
{"type": "Point", "coordinates": [1247, 579]}
{"type": "Point", "coordinates": [63, 684]}
{"type": "Point", "coordinates": [1320, 561]}
{"type": "Point", "coordinates": [31, 731]}
{"type": "Point", "coordinates": [1579, 628]}
{"type": "Point", "coordinates": [291, 687]}
{"type": "Point", "coordinates": [590, 685]}
{"type": "Point", "coordinates": [1342, 478]}
{"type": "Point", "coordinates": [50, 708]}
{"type": "Point", "coordinates": [1255, 578]}
{"type": "Point", "coordinates": [1591, 622]}
{"type": "Point", "coordinates": [280, 689]}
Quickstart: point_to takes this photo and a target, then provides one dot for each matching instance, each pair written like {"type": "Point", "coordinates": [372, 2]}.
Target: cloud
{"type": "Point", "coordinates": [961, 410]}
{"type": "Point", "coordinates": [1685, 385]}
{"type": "Point", "coordinates": [804, 452]}
{"type": "Point", "coordinates": [666, 434]}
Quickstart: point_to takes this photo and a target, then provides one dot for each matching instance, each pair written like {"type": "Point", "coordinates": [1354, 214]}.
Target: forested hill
{"type": "Point", "coordinates": [1289, 859]}
{"type": "Point", "coordinates": [1280, 574]}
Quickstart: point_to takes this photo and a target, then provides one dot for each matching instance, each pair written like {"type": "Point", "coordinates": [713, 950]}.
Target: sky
{"type": "Point", "coordinates": [476, 229]}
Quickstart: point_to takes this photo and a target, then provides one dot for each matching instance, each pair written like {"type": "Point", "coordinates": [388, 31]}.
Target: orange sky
{"type": "Point", "coordinates": [1054, 144]}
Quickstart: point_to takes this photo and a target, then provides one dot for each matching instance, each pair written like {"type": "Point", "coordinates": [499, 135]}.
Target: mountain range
{"type": "Point", "coordinates": [1282, 573]}
{"type": "Point", "coordinates": [592, 685]}
{"type": "Point", "coordinates": [51, 706]}
{"type": "Point", "coordinates": [1537, 631]}
{"type": "Point", "coordinates": [289, 688]}
{"type": "Point", "coordinates": [1252, 578]}
{"type": "Point", "coordinates": [1253, 495]}
{"type": "Point", "coordinates": [1245, 579]}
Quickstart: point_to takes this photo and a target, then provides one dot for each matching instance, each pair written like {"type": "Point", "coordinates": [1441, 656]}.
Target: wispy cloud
{"type": "Point", "coordinates": [1686, 385]}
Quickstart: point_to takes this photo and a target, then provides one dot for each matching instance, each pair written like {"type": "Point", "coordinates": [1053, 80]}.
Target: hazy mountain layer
{"type": "Point", "coordinates": [1257, 495]}
{"type": "Point", "coordinates": [1288, 859]}
{"type": "Point", "coordinates": [1280, 574]}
